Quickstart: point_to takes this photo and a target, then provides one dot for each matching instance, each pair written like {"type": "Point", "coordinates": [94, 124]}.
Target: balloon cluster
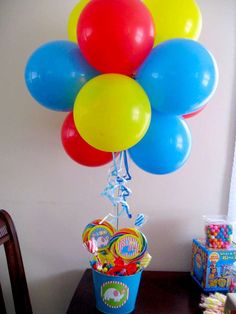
{"type": "Point", "coordinates": [131, 72]}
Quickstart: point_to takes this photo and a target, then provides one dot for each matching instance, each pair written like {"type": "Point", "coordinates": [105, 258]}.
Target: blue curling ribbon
{"type": "Point", "coordinates": [116, 190]}
{"type": "Point", "coordinates": [128, 176]}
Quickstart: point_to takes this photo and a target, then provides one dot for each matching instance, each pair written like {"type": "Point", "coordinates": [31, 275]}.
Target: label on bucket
{"type": "Point", "coordinates": [114, 294]}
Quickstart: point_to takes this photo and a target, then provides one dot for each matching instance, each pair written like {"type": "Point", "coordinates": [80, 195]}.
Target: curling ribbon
{"type": "Point", "coordinates": [116, 189]}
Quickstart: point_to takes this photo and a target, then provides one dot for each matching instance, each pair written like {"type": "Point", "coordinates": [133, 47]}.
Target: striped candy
{"type": "Point", "coordinates": [140, 220]}
{"type": "Point", "coordinates": [91, 246]}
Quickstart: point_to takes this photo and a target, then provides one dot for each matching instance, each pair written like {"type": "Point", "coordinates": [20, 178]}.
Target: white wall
{"type": "Point", "coordinates": [51, 198]}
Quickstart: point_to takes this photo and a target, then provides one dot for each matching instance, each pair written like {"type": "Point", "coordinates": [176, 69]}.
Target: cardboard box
{"type": "Point", "coordinates": [210, 267]}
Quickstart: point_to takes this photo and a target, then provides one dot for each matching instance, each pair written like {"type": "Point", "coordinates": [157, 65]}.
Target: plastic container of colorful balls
{"type": "Point", "coordinates": [219, 231]}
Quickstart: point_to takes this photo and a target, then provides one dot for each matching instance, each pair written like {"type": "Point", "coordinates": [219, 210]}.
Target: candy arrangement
{"type": "Point", "coordinates": [219, 236]}
{"type": "Point", "coordinates": [116, 253]}
{"type": "Point", "coordinates": [130, 74]}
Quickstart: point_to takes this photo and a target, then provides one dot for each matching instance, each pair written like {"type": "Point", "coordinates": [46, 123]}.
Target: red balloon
{"type": "Point", "coordinates": [115, 36]}
{"type": "Point", "coordinates": [192, 114]}
{"type": "Point", "coordinates": [79, 150]}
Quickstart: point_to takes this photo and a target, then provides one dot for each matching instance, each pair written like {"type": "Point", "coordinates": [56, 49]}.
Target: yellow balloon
{"type": "Point", "coordinates": [73, 19]}
{"type": "Point", "coordinates": [175, 19]}
{"type": "Point", "coordinates": [112, 112]}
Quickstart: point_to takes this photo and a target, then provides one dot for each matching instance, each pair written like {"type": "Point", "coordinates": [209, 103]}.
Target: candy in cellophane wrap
{"type": "Point", "coordinates": [116, 253]}
{"type": "Point", "coordinates": [99, 232]}
{"type": "Point", "coordinates": [213, 304]}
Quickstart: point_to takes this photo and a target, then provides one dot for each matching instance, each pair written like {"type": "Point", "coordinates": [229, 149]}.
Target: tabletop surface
{"type": "Point", "coordinates": [159, 293]}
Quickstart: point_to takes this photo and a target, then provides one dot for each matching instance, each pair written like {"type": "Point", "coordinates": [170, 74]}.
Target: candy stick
{"type": "Point", "coordinates": [213, 304]}
{"type": "Point", "coordinates": [145, 261]}
{"type": "Point", "coordinates": [91, 246]}
{"type": "Point", "coordinates": [106, 218]}
{"type": "Point", "coordinates": [140, 220]}
{"type": "Point", "coordinates": [221, 297]}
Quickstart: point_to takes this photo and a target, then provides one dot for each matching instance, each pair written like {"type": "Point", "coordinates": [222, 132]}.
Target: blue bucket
{"type": "Point", "coordinates": [116, 294]}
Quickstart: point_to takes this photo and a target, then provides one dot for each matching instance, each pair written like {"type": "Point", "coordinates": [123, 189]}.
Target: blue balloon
{"type": "Point", "coordinates": [165, 147]}
{"type": "Point", "coordinates": [179, 76]}
{"type": "Point", "coordinates": [55, 73]}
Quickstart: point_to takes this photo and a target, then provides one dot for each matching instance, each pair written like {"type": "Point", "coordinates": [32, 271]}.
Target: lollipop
{"type": "Point", "coordinates": [97, 234]}
{"type": "Point", "coordinates": [130, 244]}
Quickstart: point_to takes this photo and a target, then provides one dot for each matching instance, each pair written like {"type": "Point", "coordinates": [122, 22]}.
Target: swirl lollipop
{"type": "Point", "coordinates": [97, 234]}
{"type": "Point", "coordinates": [129, 243]}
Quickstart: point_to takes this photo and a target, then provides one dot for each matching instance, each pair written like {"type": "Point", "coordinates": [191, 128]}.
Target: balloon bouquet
{"type": "Point", "coordinates": [130, 75]}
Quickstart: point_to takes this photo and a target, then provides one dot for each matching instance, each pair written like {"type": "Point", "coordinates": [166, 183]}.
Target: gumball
{"type": "Point", "coordinates": [218, 235]}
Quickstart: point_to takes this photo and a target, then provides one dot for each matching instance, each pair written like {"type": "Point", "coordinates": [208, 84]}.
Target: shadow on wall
{"type": "Point", "coordinates": [52, 295]}
{"type": "Point", "coordinates": [170, 244]}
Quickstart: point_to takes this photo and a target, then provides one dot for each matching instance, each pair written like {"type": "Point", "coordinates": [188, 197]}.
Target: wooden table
{"type": "Point", "coordinates": [160, 293]}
